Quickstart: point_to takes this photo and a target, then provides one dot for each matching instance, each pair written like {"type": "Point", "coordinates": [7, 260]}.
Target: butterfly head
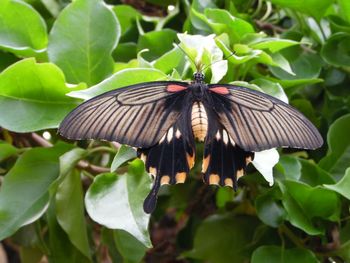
{"type": "Point", "coordinates": [198, 77]}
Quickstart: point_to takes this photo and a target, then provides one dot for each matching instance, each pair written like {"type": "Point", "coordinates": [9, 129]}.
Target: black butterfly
{"type": "Point", "coordinates": [163, 119]}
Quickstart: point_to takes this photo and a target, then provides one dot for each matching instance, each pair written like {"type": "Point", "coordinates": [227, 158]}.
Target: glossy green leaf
{"type": "Point", "coordinates": [313, 175]}
{"type": "Point", "coordinates": [269, 211]}
{"type": "Point", "coordinates": [30, 254]}
{"type": "Point", "coordinates": [314, 8]}
{"type": "Point", "coordinates": [125, 52]}
{"type": "Point", "coordinates": [107, 239]}
{"type": "Point", "coordinates": [271, 88]}
{"type": "Point", "coordinates": [221, 21]}
{"type": "Point", "coordinates": [172, 60]}
{"type": "Point", "coordinates": [67, 163]}
{"type": "Point", "coordinates": [344, 251]}
{"type": "Point", "coordinates": [276, 254]}
{"type": "Point", "coordinates": [125, 153]}
{"type": "Point", "coordinates": [82, 39]}
{"type": "Point", "coordinates": [70, 212]}
{"type": "Point", "coordinates": [291, 167]}
{"type": "Point", "coordinates": [33, 96]}
{"type": "Point", "coordinates": [131, 249]}
{"type": "Point", "coordinates": [337, 159]}
{"type": "Point", "coordinates": [344, 9]}
{"type": "Point", "coordinates": [303, 65]}
{"type": "Point", "coordinates": [61, 249]}
{"type": "Point", "coordinates": [120, 79]}
{"type": "Point", "coordinates": [7, 59]}
{"type": "Point", "coordinates": [127, 16]}
{"type": "Point", "coordinates": [336, 50]}
{"type": "Point", "coordinates": [343, 186]}
{"type": "Point", "coordinates": [22, 29]}
{"type": "Point", "coordinates": [273, 44]}
{"type": "Point", "coordinates": [6, 150]}
{"type": "Point", "coordinates": [36, 168]}
{"type": "Point", "coordinates": [338, 24]}
{"type": "Point", "coordinates": [299, 201]}
{"type": "Point", "coordinates": [157, 43]}
{"type": "Point", "coordinates": [221, 238]}
{"type": "Point", "coordinates": [116, 201]}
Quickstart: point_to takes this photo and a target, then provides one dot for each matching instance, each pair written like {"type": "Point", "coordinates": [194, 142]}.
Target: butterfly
{"type": "Point", "coordinates": [163, 119]}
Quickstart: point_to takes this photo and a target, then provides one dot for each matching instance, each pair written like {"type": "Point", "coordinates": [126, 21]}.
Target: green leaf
{"type": "Point", "coordinates": [129, 247]}
{"type": "Point", "coordinates": [35, 93]}
{"type": "Point", "coordinates": [299, 201]}
{"type": "Point", "coordinates": [125, 52]}
{"type": "Point", "coordinates": [6, 150]}
{"type": "Point", "coordinates": [82, 39]}
{"type": "Point", "coordinates": [276, 254]}
{"type": "Point", "coordinates": [336, 50]}
{"type": "Point", "coordinates": [344, 9]}
{"type": "Point", "coordinates": [338, 24]}
{"type": "Point", "coordinates": [22, 29]}
{"type": "Point", "coordinates": [31, 176]}
{"type": "Point", "coordinates": [291, 167]}
{"type": "Point", "coordinates": [127, 15]}
{"type": "Point", "coordinates": [269, 211]}
{"type": "Point", "coordinates": [304, 65]}
{"type": "Point", "coordinates": [272, 44]}
{"type": "Point", "coordinates": [116, 202]}
{"type": "Point", "coordinates": [314, 8]}
{"type": "Point", "coordinates": [337, 159]}
{"type": "Point", "coordinates": [125, 153]}
{"type": "Point", "coordinates": [61, 249]}
{"type": "Point", "coordinates": [172, 60]}
{"type": "Point", "coordinates": [120, 79]}
{"type": "Point", "coordinates": [221, 21]}
{"type": "Point", "coordinates": [221, 238]}
{"type": "Point", "coordinates": [343, 186]}
{"type": "Point", "coordinates": [67, 163]}
{"type": "Point", "coordinates": [314, 175]}
{"type": "Point", "coordinates": [30, 254]}
{"type": "Point", "coordinates": [70, 212]}
{"type": "Point", "coordinates": [272, 88]}
{"type": "Point", "coordinates": [157, 43]}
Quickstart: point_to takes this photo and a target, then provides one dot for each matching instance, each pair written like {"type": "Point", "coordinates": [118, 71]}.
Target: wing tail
{"type": "Point", "coordinates": [170, 161]}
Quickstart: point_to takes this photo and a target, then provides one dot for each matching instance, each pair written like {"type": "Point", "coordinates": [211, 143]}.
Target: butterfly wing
{"type": "Point", "coordinates": [224, 161]}
{"type": "Point", "coordinates": [256, 121]}
{"type": "Point", "coordinates": [137, 115]}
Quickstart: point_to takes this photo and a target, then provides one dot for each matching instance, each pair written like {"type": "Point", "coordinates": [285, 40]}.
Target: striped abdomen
{"type": "Point", "coordinates": [199, 121]}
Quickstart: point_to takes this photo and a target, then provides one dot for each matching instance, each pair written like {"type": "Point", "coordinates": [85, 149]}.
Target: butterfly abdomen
{"type": "Point", "coordinates": [199, 121]}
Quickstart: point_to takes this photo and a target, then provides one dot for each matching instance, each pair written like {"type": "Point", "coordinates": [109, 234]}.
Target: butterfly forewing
{"type": "Point", "coordinates": [138, 115]}
{"type": "Point", "coordinates": [257, 121]}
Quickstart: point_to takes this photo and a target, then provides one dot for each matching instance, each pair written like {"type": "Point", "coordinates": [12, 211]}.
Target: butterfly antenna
{"type": "Point", "coordinates": [233, 52]}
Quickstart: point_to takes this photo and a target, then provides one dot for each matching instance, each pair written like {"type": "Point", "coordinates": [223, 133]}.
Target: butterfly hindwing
{"type": "Point", "coordinates": [257, 121]}
{"type": "Point", "coordinates": [224, 162]}
{"type": "Point", "coordinates": [170, 161]}
{"type": "Point", "coordinates": [137, 115]}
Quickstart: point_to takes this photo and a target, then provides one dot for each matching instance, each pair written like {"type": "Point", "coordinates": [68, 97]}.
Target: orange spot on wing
{"type": "Point", "coordinates": [220, 90]}
{"type": "Point", "coordinates": [175, 88]}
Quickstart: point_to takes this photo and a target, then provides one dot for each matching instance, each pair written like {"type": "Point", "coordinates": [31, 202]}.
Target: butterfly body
{"type": "Point", "coordinates": [163, 119]}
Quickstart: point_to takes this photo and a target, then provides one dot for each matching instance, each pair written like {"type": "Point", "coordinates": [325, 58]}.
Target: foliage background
{"type": "Point", "coordinates": [60, 202]}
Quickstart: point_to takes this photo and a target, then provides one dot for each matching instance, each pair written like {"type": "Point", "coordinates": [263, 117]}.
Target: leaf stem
{"type": "Point", "coordinates": [285, 230]}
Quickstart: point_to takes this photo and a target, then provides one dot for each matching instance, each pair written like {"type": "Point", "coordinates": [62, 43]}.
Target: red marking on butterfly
{"type": "Point", "coordinates": [220, 90]}
{"type": "Point", "coordinates": [175, 88]}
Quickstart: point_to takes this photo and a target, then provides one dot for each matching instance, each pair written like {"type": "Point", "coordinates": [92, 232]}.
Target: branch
{"type": "Point", "coordinates": [85, 165]}
{"type": "Point", "coordinates": [268, 26]}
